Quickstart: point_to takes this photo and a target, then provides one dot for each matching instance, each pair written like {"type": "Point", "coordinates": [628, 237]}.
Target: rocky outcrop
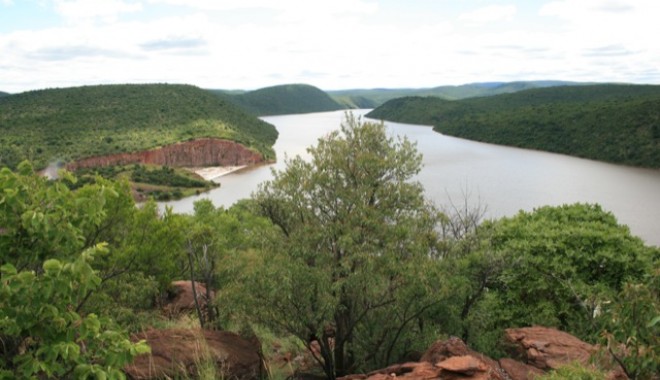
{"type": "Point", "coordinates": [177, 353]}
{"type": "Point", "coordinates": [546, 348]}
{"type": "Point", "coordinates": [195, 153]}
{"type": "Point", "coordinates": [519, 371]}
{"type": "Point", "coordinates": [540, 349]}
{"type": "Point", "coordinates": [180, 298]}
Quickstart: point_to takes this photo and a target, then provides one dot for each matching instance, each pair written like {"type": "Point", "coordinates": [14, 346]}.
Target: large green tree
{"type": "Point", "coordinates": [352, 265]}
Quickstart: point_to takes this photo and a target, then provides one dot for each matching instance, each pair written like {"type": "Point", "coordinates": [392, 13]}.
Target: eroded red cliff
{"type": "Point", "coordinates": [195, 153]}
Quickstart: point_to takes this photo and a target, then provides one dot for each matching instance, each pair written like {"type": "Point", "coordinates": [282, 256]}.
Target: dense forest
{"type": "Point", "coordinates": [283, 99]}
{"type": "Point", "coordinates": [613, 123]}
{"type": "Point", "coordinates": [66, 124]}
{"type": "Point", "coordinates": [372, 98]}
{"type": "Point", "coordinates": [340, 257]}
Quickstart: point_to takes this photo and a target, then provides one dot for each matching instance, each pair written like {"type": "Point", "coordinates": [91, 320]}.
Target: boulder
{"type": "Point", "coordinates": [547, 348]}
{"type": "Point", "coordinates": [177, 353]}
{"type": "Point", "coordinates": [519, 371]}
{"type": "Point", "coordinates": [180, 298]}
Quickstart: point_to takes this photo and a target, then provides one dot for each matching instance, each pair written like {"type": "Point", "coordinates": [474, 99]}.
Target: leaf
{"type": "Point", "coordinates": [8, 269]}
{"type": "Point", "coordinates": [52, 265]}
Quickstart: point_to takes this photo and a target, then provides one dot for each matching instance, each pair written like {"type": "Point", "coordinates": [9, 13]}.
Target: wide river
{"type": "Point", "coordinates": [503, 179]}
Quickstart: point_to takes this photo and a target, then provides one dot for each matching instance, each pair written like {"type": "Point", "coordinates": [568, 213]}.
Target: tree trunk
{"type": "Point", "coordinates": [194, 288]}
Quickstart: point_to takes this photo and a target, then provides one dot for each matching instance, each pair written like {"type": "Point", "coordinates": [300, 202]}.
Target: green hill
{"type": "Point", "coordinates": [371, 98]}
{"type": "Point", "coordinates": [613, 123]}
{"type": "Point", "coordinates": [72, 123]}
{"type": "Point", "coordinates": [3, 94]}
{"type": "Point", "coordinates": [281, 100]}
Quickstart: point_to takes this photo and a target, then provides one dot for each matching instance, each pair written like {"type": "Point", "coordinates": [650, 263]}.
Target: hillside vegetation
{"type": "Point", "coordinates": [281, 100]}
{"type": "Point", "coordinates": [72, 123]}
{"type": "Point", "coordinates": [613, 123]}
{"type": "Point", "coordinates": [371, 98]}
{"type": "Point", "coordinates": [3, 94]}
{"type": "Point", "coordinates": [338, 265]}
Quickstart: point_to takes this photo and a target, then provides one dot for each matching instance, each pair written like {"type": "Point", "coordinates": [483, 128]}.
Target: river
{"type": "Point", "coordinates": [503, 179]}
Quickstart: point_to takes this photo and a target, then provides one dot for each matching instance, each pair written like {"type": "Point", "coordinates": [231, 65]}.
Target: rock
{"type": "Point", "coordinates": [195, 153]}
{"type": "Point", "coordinates": [444, 349]}
{"type": "Point", "coordinates": [519, 371]}
{"type": "Point", "coordinates": [547, 348]}
{"type": "Point", "coordinates": [177, 353]}
{"type": "Point", "coordinates": [180, 298]}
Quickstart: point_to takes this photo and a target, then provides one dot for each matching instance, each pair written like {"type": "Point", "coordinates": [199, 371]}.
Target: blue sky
{"type": "Point", "coordinates": [337, 44]}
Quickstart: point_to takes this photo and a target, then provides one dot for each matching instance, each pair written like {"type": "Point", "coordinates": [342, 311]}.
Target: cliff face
{"type": "Point", "coordinates": [196, 153]}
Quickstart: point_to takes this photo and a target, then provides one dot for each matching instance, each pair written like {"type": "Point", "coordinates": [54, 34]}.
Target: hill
{"type": "Point", "coordinates": [613, 123]}
{"type": "Point", "coordinates": [3, 94]}
{"type": "Point", "coordinates": [281, 100]}
{"type": "Point", "coordinates": [371, 98]}
{"type": "Point", "coordinates": [73, 123]}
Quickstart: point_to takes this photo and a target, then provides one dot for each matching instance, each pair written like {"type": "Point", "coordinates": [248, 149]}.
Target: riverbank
{"type": "Point", "coordinates": [212, 173]}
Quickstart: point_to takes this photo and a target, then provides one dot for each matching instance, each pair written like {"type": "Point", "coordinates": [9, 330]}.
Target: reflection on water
{"type": "Point", "coordinates": [504, 179]}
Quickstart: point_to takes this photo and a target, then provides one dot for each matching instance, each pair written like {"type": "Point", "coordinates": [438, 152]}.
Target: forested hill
{"type": "Point", "coordinates": [372, 98]}
{"type": "Point", "coordinates": [72, 123]}
{"type": "Point", "coordinates": [284, 99]}
{"type": "Point", "coordinates": [3, 94]}
{"type": "Point", "coordinates": [613, 123]}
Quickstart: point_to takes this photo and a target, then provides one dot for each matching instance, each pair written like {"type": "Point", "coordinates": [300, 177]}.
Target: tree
{"type": "Point", "coordinates": [45, 280]}
{"type": "Point", "coordinates": [556, 266]}
{"type": "Point", "coordinates": [351, 267]}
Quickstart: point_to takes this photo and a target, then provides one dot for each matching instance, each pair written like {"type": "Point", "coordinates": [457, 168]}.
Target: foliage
{"type": "Point", "coordinates": [283, 99]}
{"type": "Point", "coordinates": [41, 220]}
{"type": "Point", "coordinates": [614, 123]}
{"type": "Point", "coordinates": [351, 266]}
{"type": "Point", "coordinates": [53, 125]}
{"type": "Point", "coordinates": [555, 266]}
{"type": "Point", "coordinates": [43, 333]}
{"type": "Point", "coordinates": [573, 372]}
{"type": "Point", "coordinates": [376, 97]}
{"type": "Point", "coordinates": [632, 332]}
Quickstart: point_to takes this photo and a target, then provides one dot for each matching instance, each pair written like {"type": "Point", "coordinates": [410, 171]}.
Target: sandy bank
{"type": "Point", "coordinates": [213, 172]}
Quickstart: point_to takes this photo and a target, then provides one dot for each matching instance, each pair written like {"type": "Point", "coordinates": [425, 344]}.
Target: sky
{"type": "Point", "coordinates": [333, 44]}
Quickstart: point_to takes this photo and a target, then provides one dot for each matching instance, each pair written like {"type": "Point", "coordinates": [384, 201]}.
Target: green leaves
{"type": "Point", "coordinates": [37, 314]}
{"type": "Point", "coordinates": [353, 230]}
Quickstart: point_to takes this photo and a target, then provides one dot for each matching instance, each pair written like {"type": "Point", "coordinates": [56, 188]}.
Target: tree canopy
{"type": "Point", "coordinates": [348, 268]}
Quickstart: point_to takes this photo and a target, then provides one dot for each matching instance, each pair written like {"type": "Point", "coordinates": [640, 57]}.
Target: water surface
{"type": "Point", "coordinates": [504, 179]}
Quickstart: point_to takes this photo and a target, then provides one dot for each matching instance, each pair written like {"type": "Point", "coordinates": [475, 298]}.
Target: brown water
{"type": "Point", "coordinates": [504, 179]}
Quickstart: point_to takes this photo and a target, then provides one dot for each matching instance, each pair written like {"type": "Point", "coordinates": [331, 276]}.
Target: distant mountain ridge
{"type": "Point", "coordinates": [372, 98]}
{"type": "Point", "coordinates": [69, 124]}
{"type": "Point", "coordinates": [3, 94]}
{"type": "Point", "coordinates": [613, 123]}
{"type": "Point", "coordinates": [283, 99]}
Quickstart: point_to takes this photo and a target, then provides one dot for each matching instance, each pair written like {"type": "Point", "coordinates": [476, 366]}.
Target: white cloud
{"type": "Point", "coordinates": [490, 13]}
{"type": "Point", "coordinates": [335, 6]}
{"type": "Point", "coordinates": [77, 11]}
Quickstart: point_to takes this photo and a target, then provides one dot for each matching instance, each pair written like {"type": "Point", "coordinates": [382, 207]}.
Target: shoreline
{"type": "Point", "coordinates": [211, 173]}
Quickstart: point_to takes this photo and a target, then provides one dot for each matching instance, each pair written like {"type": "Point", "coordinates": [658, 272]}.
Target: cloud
{"type": "Point", "coordinates": [335, 6]}
{"type": "Point", "coordinates": [64, 53]}
{"type": "Point", "coordinates": [174, 43]}
{"type": "Point", "coordinates": [6, 2]}
{"type": "Point", "coordinates": [608, 51]}
{"type": "Point", "coordinates": [491, 13]}
{"type": "Point", "coordinates": [76, 11]}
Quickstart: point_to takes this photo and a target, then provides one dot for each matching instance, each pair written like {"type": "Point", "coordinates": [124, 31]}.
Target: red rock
{"type": "Point", "coordinates": [181, 299]}
{"type": "Point", "coordinates": [195, 153]}
{"type": "Point", "coordinates": [466, 364]}
{"type": "Point", "coordinates": [519, 371]}
{"type": "Point", "coordinates": [177, 352]}
{"type": "Point", "coordinates": [547, 348]}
